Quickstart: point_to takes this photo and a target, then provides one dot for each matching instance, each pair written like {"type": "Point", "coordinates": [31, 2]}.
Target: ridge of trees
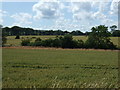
{"type": "Point", "coordinates": [16, 30]}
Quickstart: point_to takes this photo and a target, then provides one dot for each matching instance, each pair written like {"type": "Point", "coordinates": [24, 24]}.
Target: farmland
{"type": "Point", "coordinates": [59, 68]}
{"type": "Point", "coordinates": [16, 42]}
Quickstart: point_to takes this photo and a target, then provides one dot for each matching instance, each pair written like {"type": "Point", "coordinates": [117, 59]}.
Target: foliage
{"type": "Point", "coordinates": [77, 33]}
{"type": "Point", "coordinates": [17, 37]}
{"type": "Point", "coordinates": [38, 40]}
{"type": "Point", "coordinates": [113, 27]}
{"type": "Point", "coordinates": [99, 38]}
{"type": "Point", "coordinates": [47, 43]}
{"type": "Point", "coordinates": [67, 41]}
{"type": "Point", "coordinates": [63, 42]}
{"type": "Point", "coordinates": [116, 33]}
{"type": "Point", "coordinates": [25, 42]}
{"type": "Point", "coordinates": [16, 30]}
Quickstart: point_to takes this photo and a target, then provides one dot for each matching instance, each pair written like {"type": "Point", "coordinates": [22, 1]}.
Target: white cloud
{"type": "Point", "coordinates": [2, 14]}
{"type": "Point", "coordinates": [100, 16]}
{"type": "Point", "coordinates": [80, 6]}
{"type": "Point", "coordinates": [47, 10]}
{"type": "Point", "coordinates": [87, 14]}
{"type": "Point", "coordinates": [93, 13]}
{"type": "Point", "coordinates": [114, 7]}
{"type": "Point", "coordinates": [22, 19]}
{"type": "Point", "coordinates": [81, 16]}
{"type": "Point", "coordinates": [82, 11]}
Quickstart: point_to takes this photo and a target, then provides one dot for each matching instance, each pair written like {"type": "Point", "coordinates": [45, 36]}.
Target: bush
{"type": "Point", "coordinates": [67, 41]}
{"type": "Point", "coordinates": [80, 44]}
{"type": "Point", "coordinates": [38, 40]}
{"type": "Point", "coordinates": [38, 43]}
{"type": "Point", "coordinates": [17, 37]}
{"type": "Point", "coordinates": [64, 42]}
{"type": "Point", "coordinates": [25, 42]}
{"type": "Point", "coordinates": [47, 42]}
{"type": "Point", "coordinates": [95, 40]}
{"type": "Point", "coordinates": [57, 43]}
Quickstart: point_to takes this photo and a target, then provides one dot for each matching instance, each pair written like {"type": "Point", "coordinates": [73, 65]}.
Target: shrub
{"type": "Point", "coordinates": [67, 41]}
{"type": "Point", "coordinates": [47, 42]}
{"type": "Point", "coordinates": [38, 43]}
{"type": "Point", "coordinates": [57, 42]}
{"type": "Point", "coordinates": [25, 42]}
{"type": "Point", "coordinates": [80, 44]}
{"type": "Point", "coordinates": [17, 37]}
{"type": "Point", "coordinates": [38, 40]}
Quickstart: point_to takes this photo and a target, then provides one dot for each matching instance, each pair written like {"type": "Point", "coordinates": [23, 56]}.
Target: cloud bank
{"type": "Point", "coordinates": [79, 15]}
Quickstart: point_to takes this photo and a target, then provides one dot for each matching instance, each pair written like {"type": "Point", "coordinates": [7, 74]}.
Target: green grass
{"type": "Point", "coordinates": [16, 42]}
{"type": "Point", "coordinates": [61, 68]}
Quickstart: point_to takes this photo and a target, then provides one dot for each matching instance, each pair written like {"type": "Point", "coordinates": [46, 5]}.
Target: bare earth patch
{"type": "Point", "coordinates": [52, 48]}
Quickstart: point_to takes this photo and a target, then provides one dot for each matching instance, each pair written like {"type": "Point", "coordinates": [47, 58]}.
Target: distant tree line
{"type": "Point", "coordinates": [97, 39]}
{"type": "Point", "coordinates": [15, 30]}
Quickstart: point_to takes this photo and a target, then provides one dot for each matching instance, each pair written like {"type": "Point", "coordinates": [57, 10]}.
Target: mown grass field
{"type": "Point", "coordinates": [16, 42]}
{"type": "Point", "coordinates": [59, 68]}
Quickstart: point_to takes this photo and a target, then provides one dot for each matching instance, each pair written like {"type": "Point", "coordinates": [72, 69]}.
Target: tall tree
{"type": "Point", "coordinates": [113, 27]}
{"type": "Point", "coordinates": [99, 38]}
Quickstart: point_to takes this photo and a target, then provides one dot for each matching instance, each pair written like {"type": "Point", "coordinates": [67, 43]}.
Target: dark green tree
{"type": "Point", "coordinates": [25, 42]}
{"type": "Point", "coordinates": [99, 38]}
{"type": "Point", "coordinates": [67, 41]}
{"type": "Point", "coordinates": [17, 37]}
{"type": "Point", "coordinates": [116, 33]}
{"type": "Point", "coordinates": [113, 27]}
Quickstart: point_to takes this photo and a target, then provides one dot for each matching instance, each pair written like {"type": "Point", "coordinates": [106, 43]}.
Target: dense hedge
{"type": "Point", "coordinates": [63, 42]}
{"type": "Point", "coordinates": [68, 42]}
{"type": "Point", "coordinates": [97, 39]}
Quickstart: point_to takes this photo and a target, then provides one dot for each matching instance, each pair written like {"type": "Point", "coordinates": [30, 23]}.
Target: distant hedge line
{"type": "Point", "coordinates": [63, 42]}
{"type": "Point", "coordinates": [98, 39]}
{"type": "Point", "coordinates": [68, 42]}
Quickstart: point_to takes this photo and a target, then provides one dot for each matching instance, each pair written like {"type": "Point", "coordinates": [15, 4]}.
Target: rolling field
{"type": "Point", "coordinates": [59, 68]}
{"type": "Point", "coordinates": [16, 42]}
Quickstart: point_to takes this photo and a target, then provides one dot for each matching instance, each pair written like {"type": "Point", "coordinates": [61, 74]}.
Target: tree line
{"type": "Point", "coordinates": [16, 30]}
{"type": "Point", "coordinates": [97, 39]}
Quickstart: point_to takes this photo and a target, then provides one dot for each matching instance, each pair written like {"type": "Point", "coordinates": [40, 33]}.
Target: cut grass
{"type": "Point", "coordinates": [61, 68]}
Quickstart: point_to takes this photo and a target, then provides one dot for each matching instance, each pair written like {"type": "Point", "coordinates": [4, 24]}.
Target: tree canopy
{"type": "Point", "coordinates": [99, 38]}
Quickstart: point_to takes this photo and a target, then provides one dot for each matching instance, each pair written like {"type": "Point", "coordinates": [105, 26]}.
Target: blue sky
{"type": "Point", "coordinates": [59, 15]}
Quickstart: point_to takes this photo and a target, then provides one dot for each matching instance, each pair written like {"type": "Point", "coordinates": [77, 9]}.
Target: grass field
{"type": "Point", "coordinates": [16, 42]}
{"type": "Point", "coordinates": [59, 68]}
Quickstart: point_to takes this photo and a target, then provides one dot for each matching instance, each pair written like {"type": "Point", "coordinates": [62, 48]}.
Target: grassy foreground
{"type": "Point", "coordinates": [59, 68]}
{"type": "Point", "coordinates": [16, 42]}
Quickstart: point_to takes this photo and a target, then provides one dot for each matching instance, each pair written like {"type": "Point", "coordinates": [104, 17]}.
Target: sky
{"type": "Point", "coordinates": [56, 14]}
